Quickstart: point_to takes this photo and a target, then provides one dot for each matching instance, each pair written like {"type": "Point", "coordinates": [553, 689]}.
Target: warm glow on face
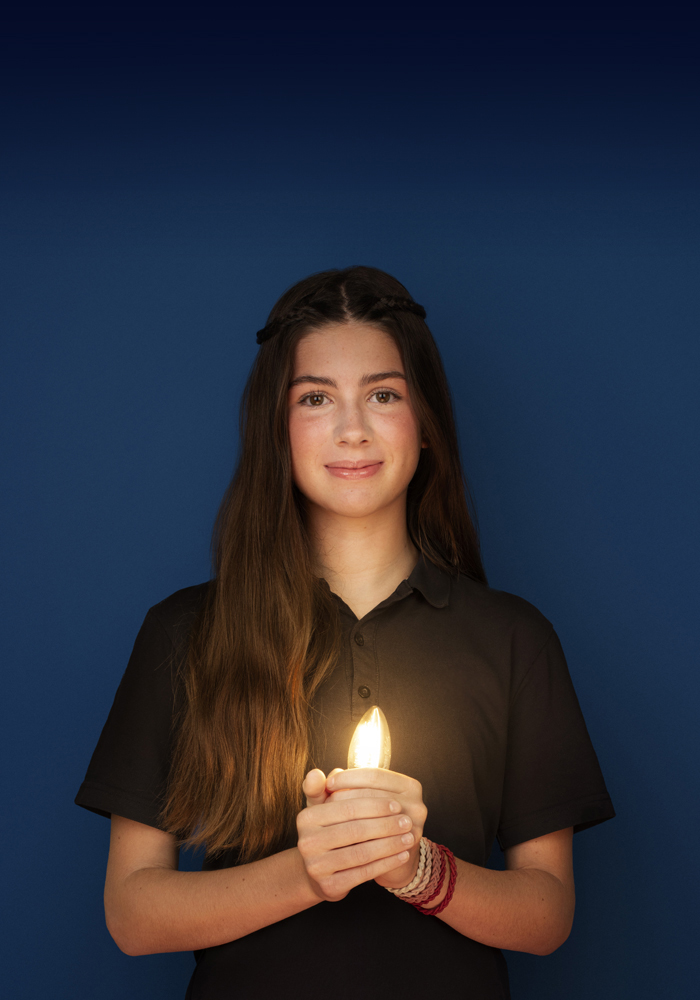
{"type": "Point", "coordinates": [351, 406]}
{"type": "Point", "coordinates": [370, 745]}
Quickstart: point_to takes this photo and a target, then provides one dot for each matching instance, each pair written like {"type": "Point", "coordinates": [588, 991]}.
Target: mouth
{"type": "Point", "coordinates": [363, 464]}
{"type": "Point", "coordinates": [351, 471]}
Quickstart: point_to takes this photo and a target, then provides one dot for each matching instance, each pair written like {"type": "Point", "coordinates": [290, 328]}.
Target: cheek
{"type": "Point", "coordinates": [405, 434]}
{"type": "Point", "coordinates": [296, 442]}
{"type": "Point", "coordinates": [303, 444]}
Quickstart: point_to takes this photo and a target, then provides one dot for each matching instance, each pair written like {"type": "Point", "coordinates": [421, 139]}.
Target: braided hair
{"type": "Point", "coordinates": [311, 312]}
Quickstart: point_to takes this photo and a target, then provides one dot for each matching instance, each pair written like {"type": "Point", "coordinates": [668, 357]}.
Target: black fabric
{"type": "Point", "coordinates": [482, 711]}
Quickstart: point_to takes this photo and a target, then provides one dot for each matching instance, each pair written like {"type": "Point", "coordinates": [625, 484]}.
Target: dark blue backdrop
{"type": "Point", "coordinates": [539, 194]}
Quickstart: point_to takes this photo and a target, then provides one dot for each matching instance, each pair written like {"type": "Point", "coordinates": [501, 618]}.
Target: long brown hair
{"type": "Point", "coordinates": [268, 632]}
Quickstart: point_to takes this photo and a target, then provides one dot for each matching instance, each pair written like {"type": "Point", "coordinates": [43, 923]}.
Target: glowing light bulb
{"type": "Point", "coordinates": [370, 745]}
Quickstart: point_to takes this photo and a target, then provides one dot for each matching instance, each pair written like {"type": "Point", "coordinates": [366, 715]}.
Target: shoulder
{"type": "Point", "coordinates": [160, 648]}
{"type": "Point", "coordinates": [499, 618]}
{"type": "Point", "coordinates": [176, 614]}
{"type": "Point", "coordinates": [496, 605]}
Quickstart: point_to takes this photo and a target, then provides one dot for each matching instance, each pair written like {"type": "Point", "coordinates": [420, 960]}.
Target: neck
{"type": "Point", "coordinates": [363, 559]}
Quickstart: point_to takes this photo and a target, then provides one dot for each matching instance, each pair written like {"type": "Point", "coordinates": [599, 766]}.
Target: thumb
{"type": "Point", "coordinates": [314, 788]}
{"type": "Point", "coordinates": [336, 770]}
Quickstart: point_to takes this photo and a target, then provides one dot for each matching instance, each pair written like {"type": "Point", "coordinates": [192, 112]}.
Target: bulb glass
{"type": "Point", "coordinates": [370, 745]}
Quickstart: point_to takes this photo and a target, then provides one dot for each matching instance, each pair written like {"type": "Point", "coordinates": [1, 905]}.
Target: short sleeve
{"type": "Point", "coordinates": [552, 776]}
{"type": "Point", "coordinates": [129, 769]}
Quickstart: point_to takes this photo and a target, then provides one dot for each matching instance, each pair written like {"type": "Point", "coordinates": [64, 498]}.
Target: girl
{"type": "Point", "coordinates": [347, 574]}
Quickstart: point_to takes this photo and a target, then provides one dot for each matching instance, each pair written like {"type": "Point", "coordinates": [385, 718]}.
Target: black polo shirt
{"type": "Point", "coordinates": [481, 710]}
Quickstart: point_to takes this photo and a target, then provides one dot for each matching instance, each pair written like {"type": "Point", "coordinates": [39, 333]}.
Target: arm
{"type": "Point", "coordinates": [529, 907]}
{"type": "Point", "coordinates": [152, 907]}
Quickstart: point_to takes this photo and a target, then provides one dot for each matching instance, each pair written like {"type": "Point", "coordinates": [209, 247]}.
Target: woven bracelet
{"type": "Point", "coordinates": [424, 885]}
{"type": "Point", "coordinates": [449, 856]}
{"type": "Point", "coordinates": [433, 885]}
{"type": "Point", "coordinates": [414, 886]}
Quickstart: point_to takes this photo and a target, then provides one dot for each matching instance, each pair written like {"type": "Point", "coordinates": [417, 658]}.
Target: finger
{"type": "Point", "coordinates": [410, 803]}
{"type": "Point", "coordinates": [362, 855]}
{"type": "Point", "coordinates": [351, 810]}
{"type": "Point", "coordinates": [370, 777]}
{"type": "Point", "coordinates": [361, 831]}
{"type": "Point", "coordinates": [337, 884]}
{"type": "Point", "coordinates": [358, 793]}
{"type": "Point", "coordinates": [336, 770]}
{"type": "Point", "coordinates": [355, 876]}
{"type": "Point", "coordinates": [314, 787]}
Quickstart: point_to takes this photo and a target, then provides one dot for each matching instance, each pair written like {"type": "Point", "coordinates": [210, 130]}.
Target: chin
{"type": "Point", "coordinates": [357, 506]}
{"type": "Point", "coordinates": [352, 510]}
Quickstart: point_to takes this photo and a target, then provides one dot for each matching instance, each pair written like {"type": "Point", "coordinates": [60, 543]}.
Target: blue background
{"type": "Point", "coordinates": [539, 194]}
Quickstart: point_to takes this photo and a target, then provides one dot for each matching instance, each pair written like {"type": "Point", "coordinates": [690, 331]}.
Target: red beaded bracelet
{"type": "Point", "coordinates": [447, 854]}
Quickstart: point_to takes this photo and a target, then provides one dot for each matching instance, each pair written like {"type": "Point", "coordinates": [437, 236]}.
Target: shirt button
{"type": "Point", "coordinates": [364, 692]}
{"type": "Point", "coordinates": [360, 639]}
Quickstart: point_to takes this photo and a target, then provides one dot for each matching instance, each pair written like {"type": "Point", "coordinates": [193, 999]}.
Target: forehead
{"type": "Point", "coordinates": [356, 346]}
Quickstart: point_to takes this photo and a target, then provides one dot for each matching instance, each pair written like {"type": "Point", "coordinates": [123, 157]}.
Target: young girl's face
{"type": "Point", "coordinates": [354, 435]}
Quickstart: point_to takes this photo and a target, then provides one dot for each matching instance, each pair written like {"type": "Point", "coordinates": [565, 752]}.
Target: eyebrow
{"type": "Point", "coordinates": [365, 380]}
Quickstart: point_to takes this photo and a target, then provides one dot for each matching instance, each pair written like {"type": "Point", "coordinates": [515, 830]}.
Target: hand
{"type": "Point", "coordinates": [376, 782]}
{"type": "Point", "coordinates": [344, 843]}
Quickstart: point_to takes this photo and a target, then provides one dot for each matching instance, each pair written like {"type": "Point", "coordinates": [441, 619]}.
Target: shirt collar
{"type": "Point", "coordinates": [431, 581]}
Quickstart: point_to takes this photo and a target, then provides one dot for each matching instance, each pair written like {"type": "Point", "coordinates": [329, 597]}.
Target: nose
{"type": "Point", "coordinates": [351, 427]}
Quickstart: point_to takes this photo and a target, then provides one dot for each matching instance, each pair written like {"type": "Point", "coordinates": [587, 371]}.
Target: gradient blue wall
{"type": "Point", "coordinates": [539, 195]}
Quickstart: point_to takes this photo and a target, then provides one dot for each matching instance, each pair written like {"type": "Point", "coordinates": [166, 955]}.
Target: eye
{"type": "Point", "coordinates": [385, 395]}
{"type": "Point", "coordinates": [313, 399]}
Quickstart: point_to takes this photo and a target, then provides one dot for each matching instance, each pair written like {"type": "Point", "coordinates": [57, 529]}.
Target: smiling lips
{"type": "Point", "coordinates": [353, 470]}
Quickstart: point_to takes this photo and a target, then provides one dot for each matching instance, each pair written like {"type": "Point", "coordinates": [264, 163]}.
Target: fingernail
{"type": "Point", "coordinates": [394, 807]}
{"type": "Point", "coordinates": [405, 821]}
{"type": "Point", "coordinates": [403, 856]}
{"type": "Point", "coordinates": [407, 838]}
{"type": "Point", "coordinates": [330, 783]}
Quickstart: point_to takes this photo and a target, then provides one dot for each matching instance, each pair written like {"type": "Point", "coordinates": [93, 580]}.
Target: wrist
{"type": "Point", "coordinates": [404, 875]}
{"type": "Point", "coordinates": [309, 890]}
{"type": "Point", "coordinates": [413, 872]}
{"type": "Point", "coordinates": [432, 888]}
{"type": "Point", "coordinates": [439, 898]}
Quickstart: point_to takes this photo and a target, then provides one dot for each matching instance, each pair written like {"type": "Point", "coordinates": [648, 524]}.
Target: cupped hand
{"type": "Point", "coordinates": [376, 782]}
{"type": "Point", "coordinates": [346, 841]}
